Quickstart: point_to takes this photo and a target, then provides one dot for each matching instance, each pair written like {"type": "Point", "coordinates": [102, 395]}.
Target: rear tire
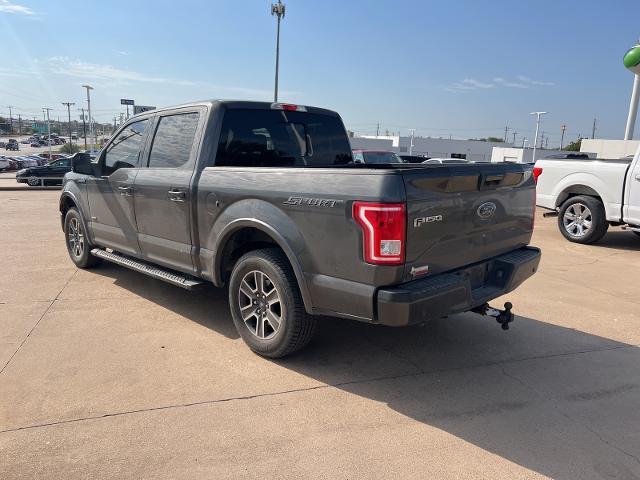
{"type": "Point", "coordinates": [582, 219]}
{"type": "Point", "coordinates": [266, 304]}
{"type": "Point", "coordinates": [77, 242]}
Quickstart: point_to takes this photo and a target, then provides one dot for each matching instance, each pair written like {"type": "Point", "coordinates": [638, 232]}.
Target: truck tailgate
{"type": "Point", "coordinates": [460, 215]}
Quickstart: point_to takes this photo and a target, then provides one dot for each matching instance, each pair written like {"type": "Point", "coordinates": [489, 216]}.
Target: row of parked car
{"type": "Point", "coordinates": [8, 164]}
{"type": "Point", "coordinates": [385, 157]}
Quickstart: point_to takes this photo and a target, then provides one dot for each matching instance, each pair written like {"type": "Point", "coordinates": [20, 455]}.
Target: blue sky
{"type": "Point", "coordinates": [460, 68]}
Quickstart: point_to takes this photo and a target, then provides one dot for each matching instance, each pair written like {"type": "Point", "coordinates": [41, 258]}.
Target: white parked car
{"type": "Point", "coordinates": [590, 194]}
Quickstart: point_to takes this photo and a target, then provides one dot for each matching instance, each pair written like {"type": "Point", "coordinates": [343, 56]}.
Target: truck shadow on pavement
{"type": "Point", "coordinates": [554, 400]}
{"type": "Point", "coordinates": [620, 240]}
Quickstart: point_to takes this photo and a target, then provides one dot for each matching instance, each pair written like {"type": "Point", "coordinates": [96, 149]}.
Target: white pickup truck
{"type": "Point", "coordinates": [590, 194]}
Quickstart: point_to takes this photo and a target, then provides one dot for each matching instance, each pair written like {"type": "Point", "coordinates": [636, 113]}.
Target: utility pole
{"type": "Point", "coordinates": [593, 130]}
{"type": "Point", "coordinates": [542, 139]}
{"type": "Point", "coordinates": [378, 129]}
{"type": "Point", "coordinates": [277, 9]}
{"type": "Point", "coordinates": [413, 131]}
{"type": "Point", "coordinates": [10, 119]}
{"type": "Point", "coordinates": [546, 143]}
{"type": "Point", "coordinates": [524, 142]}
{"type": "Point", "coordinates": [84, 128]}
{"type": "Point", "coordinates": [121, 118]}
{"type": "Point", "coordinates": [506, 133]}
{"type": "Point", "coordinates": [19, 124]}
{"type": "Point", "coordinates": [68, 105]}
{"type": "Point", "coordinates": [115, 119]}
{"type": "Point", "coordinates": [563, 127]}
{"type": "Point", "coordinates": [535, 141]}
{"type": "Point", "coordinates": [514, 137]}
{"type": "Point", "coordinates": [91, 130]}
{"type": "Point", "coordinates": [46, 109]}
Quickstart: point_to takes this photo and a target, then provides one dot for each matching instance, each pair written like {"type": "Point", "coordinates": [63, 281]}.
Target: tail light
{"type": "Point", "coordinates": [384, 227]}
{"type": "Point", "coordinates": [537, 171]}
{"type": "Point", "coordinates": [289, 107]}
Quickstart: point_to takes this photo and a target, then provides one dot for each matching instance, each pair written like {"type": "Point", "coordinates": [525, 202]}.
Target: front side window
{"type": "Point", "coordinates": [173, 141]}
{"type": "Point", "coordinates": [124, 151]}
{"type": "Point", "coordinates": [275, 138]}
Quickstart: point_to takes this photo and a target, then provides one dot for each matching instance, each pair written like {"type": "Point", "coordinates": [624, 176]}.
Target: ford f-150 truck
{"type": "Point", "coordinates": [590, 194]}
{"type": "Point", "coordinates": [267, 199]}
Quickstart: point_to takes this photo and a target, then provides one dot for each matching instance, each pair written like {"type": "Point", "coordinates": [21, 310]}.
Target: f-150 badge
{"type": "Point", "coordinates": [417, 222]}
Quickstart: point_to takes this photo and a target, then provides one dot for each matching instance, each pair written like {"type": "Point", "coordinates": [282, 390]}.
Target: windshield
{"type": "Point", "coordinates": [381, 157]}
{"type": "Point", "coordinates": [275, 138]}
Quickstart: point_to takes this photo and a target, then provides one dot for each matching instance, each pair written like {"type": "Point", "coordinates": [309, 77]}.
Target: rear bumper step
{"type": "Point", "coordinates": [455, 292]}
{"type": "Point", "coordinates": [150, 270]}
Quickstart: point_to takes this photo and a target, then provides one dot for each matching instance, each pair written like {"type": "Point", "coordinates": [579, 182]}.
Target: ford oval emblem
{"type": "Point", "coordinates": [486, 210]}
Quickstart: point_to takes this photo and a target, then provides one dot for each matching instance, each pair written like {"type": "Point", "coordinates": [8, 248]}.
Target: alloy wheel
{"type": "Point", "coordinates": [75, 237]}
{"type": "Point", "coordinates": [577, 220]}
{"type": "Point", "coordinates": [260, 304]}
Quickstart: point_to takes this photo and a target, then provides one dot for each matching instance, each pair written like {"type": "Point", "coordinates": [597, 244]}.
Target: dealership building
{"type": "Point", "coordinates": [473, 150]}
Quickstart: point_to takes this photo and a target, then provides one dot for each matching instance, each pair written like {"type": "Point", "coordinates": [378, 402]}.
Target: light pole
{"type": "Point", "coordinates": [277, 9]}
{"type": "Point", "coordinates": [91, 131]}
{"type": "Point", "coordinates": [632, 62]}
{"type": "Point", "coordinates": [48, 131]}
{"type": "Point", "coordinates": [68, 105]}
{"type": "Point", "coordinates": [563, 127]}
{"type": "Point", "coordinates": [535, 140]}
{"type": "Point", "coordinates": [10, 120]}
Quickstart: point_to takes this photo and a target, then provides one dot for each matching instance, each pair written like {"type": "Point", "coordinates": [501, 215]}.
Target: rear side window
{"type": "Point", "coordinates": [173, 141]}
{"type": "Point", "coordinates": [275, 138]}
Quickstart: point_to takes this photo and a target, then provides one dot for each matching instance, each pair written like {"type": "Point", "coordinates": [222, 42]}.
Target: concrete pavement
{"type": "Point", "coordinates": [108, 374]}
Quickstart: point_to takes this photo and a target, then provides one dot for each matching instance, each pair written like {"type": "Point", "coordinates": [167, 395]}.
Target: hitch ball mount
{"type": "Point", "coordinates": [503, 317]}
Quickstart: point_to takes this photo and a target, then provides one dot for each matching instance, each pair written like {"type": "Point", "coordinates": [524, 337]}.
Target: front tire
{"type": "Point", "coordinates": [266, 305]}
{"type": "Point", "coordinates": [77, 242]}
{"type": "Point", "coordinates": [33, 181]}
{"type": "Point", "coordinates": [582, 219]}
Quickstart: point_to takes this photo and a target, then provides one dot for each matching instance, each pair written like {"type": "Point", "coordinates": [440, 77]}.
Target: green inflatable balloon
{"type": "Point", "coordinates": [632, 60]}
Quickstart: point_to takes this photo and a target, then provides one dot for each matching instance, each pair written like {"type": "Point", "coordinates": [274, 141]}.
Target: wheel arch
{"type": "Point", "coordinates": [246, 234]}
{"type": "Point", "coordinates": [575, 190]}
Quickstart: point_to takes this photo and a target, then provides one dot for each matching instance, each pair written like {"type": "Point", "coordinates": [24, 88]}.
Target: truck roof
{"type": "Point", "coordinates": [245, 104]}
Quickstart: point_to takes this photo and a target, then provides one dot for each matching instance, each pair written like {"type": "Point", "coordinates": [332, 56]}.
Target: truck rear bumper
{"type": "Point", "coordinates": [456, 291]}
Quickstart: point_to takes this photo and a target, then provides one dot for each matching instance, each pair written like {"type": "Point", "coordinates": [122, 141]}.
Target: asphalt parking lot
{"type": "Point", "coordinates": [108, 374]}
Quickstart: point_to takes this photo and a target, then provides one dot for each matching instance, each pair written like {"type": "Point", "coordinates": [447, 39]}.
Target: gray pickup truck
{"type": "Point", "coordinates": [266, 198]}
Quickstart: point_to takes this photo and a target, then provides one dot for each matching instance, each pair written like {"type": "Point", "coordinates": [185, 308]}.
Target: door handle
{"type": "Point", "coordinates": [638, 177]}
{"type": "Point", "coordinates": [125, 191]}
{"type": "Point", "coordinates": [177, 195]}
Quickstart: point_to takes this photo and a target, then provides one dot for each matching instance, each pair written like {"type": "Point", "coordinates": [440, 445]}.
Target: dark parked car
{"type": "Point", "coordinates": [266, 198]}
{"type": "Point", "coordinates": [12, 144]}
{"type": "Point", "coordinates": [49, 174]}
{"type": "Point", "coordinates": [379, 157]}
{"type": "Point", "coordinates": [413, 158]}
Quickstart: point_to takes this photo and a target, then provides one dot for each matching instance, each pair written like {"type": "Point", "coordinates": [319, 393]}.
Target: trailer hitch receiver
{"type": "Point", "coordinates": [503, 317]}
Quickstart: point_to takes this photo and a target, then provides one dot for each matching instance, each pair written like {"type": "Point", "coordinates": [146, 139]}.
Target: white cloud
{"type": "Point", "coordinates": [469, 84]}
{"type": "Point", "coordinates": [94, 71]}
{"type": "Point", "coordinates": [524, 79]}
{"type": "Point", "coordinates": [108, 76]}
{"type": "Point", "coordinates": [7, 7]}
{"type": "Point", "coordinates": [521, 82]}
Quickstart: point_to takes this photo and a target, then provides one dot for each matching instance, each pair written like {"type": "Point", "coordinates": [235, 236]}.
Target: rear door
{"type": "Point", "coordinates": [111, 195]}
{"type": "Point", "coordinates": [632, 200]}
{"type": "Point", "coordinates": [163, 190]}
{"type": "Point", "coordinates": [460, 215]}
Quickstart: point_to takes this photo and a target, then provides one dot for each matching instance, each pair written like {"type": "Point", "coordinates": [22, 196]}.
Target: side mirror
{"type": "Point", "coordinates": [81, 163]}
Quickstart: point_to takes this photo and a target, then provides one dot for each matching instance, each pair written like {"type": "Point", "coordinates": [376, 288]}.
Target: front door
{"type": "Point", "coordinates": [111, 195]}
{"type": "Point", "coordinates": [163, 192]}
{"type": "Point", "coordinates": [632, 200]}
